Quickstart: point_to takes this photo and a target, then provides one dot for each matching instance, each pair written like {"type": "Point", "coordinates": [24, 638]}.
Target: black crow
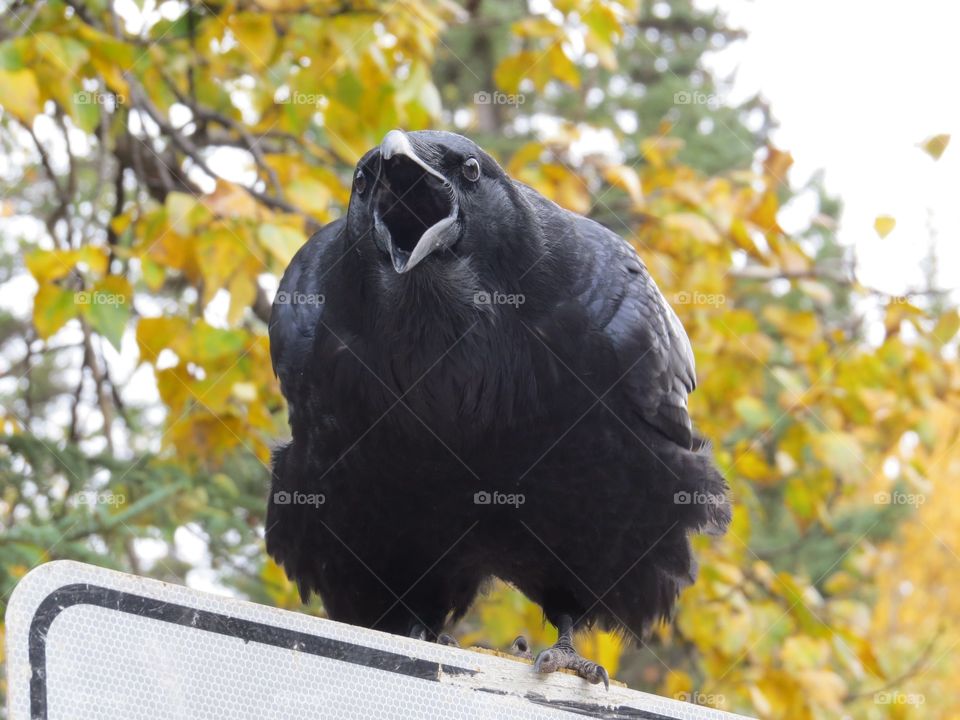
{"type": "Point", "coordinates": [482, 384]}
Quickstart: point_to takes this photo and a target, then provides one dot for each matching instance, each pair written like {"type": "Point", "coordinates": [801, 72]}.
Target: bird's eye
{"type": "Point", "coordinates": [471, 169]}
{"type": "Point", "coordinates": [360, 182]}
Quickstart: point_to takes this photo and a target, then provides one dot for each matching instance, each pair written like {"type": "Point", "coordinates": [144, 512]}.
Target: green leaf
{"type": "Point", "coordinates": [207, 343]}
{"type": "Point", "coordinates": [753, 412]}
{"type": "Point", "coordinates": [947, 327]}
{"type": "Point", "coordinates": [108, 308]}
{"type": "Point", "coordinates": [311, 195]}
{"type": "Point", "coordinates": [12, 54]}
{"type": "Point", "coordinates": [841, 453]}
{"type": "Point", "coordinates": [52, 307]}
{"type": "Point", "coordinates": [281, 241]}
{"type": "Point", "coordinates": [84, 107]}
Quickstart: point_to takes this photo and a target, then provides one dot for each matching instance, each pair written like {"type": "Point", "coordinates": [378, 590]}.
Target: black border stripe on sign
{"type": "Point", "coordinates": [250, 631]}
{"type": "Point", "coordinates": [246, 630]}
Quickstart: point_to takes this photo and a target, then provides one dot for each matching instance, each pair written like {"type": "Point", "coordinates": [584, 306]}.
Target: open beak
{"type": "Point", "coordinates": [415, 211]}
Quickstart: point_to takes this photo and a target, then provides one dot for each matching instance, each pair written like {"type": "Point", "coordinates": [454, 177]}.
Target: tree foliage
{"type": "Point", "coordinates": [163, 162]}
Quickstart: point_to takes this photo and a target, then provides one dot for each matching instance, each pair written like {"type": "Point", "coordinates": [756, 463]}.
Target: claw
{"type": "Point", "coordinates": [418, 632]}
{"type": "Point", "coordinates": [445, 639]}
{"type": "Point", "coordinates": [599, 675]}
{"type": "Point", "coordinates": [521, 648]}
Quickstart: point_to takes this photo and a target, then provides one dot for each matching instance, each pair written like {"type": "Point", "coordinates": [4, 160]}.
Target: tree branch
{"type": "Point", "coordinates": [186, 146]}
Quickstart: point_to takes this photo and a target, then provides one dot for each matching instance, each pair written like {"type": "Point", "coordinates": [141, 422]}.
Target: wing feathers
{"type": "Point", "coordinates": [654, 354]}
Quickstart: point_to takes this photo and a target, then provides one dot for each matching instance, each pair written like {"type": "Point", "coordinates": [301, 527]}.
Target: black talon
{"type": "Point", "coordinates": [521, 648]}
{"type": "Point", "coordinates": [445, 639]}
{"type": "Point", "coordinates": [562, 656]}
{"type": "Point", "coordinates": [418, 632]}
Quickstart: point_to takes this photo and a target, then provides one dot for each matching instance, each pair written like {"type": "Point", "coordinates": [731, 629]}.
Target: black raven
{"type": "Point", "coordinates": [482, 384]}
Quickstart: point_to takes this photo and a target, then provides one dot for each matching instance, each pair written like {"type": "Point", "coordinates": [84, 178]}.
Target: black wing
{"type": "Point", "coordinates": [656, 365]}
{"type": "Point", "coordinates": [298, 308]}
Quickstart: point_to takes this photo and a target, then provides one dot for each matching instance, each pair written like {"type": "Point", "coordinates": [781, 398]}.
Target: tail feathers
{"type": "Point", "coordinates": [284, 527]}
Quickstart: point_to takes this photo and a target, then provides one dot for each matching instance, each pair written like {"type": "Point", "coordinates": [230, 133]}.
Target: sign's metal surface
{"type": "Point", "coordinates": [84, 643]}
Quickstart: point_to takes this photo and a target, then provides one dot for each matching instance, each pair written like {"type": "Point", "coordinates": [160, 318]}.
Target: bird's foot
{"type": "Point", "coordinates": [521, 648]}
{"type": "Point", "coordinates": [562, 656]}
{"type": "Point", "coordinates": [565, 657]}
{"type": "Point", "coordinates": [419, 632]}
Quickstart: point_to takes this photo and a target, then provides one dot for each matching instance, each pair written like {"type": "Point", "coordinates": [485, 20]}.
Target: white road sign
{"type": "Point", "coordinates": [84, 643]}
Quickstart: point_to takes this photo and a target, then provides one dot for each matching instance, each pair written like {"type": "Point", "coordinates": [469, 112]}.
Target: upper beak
{"type": "Point", "coordinates": [395, 143]}
{"type": "Point", "coordinates": [441, 233]}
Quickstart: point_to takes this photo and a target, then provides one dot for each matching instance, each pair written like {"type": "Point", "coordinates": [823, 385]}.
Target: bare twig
{"type": "Point", "coordinates": [63, 197]}
{"type": "Point", "coordinates": [73, 434]}
{"type": "Point", "coordinates": [756, 272]}
{"type": "Point", "coordinates": [185, 145]}
{"type": "Point", "coordinates": [23, 23]}
{"type": "Point", "coordinates": [250, 143]}
{"type": "Point", "coordinates": [103, 399]}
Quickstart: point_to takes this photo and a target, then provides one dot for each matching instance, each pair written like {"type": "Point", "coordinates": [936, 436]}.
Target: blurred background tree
{"type": "Point", "coordinates": [162, 162]}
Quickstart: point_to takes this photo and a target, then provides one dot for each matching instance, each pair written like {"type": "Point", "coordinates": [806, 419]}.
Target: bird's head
{"type": "Point", "coordinates": [429, 194]}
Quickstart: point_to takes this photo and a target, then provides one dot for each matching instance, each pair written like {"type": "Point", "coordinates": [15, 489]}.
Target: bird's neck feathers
{"type": "Point", "coordinates": [434, 293]}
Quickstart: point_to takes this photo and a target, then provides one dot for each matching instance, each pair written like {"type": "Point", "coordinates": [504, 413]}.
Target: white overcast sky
{"type": "Point", "coordinates": [856, 86]}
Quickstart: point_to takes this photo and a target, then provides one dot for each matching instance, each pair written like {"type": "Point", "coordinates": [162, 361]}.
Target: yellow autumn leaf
{"type": "Point", "coordinates": [49, 265]}
{"type": "Point", "coordinates": [155, 334]}
{"type": "Point", "coordinates": [824, 688]}
{"type": "Point", "coordinates": [604, 648]}
{"type": "Point", "coordinates": [696, 226]}
{"type": "Point", "coordinates": [219, 253]}
{"type": "Point", "coordinates": [627, 179]}
{"type": "Point", "coordinates": [20, 94]}
{"type": "Point", "coordinates": [537, 26]}
{"type": "Point", "coordinates": [255, 35]}
{"type": "Point", "coordinates": [348, 135]}
{"type": "Point", "coordinates": [243, 292]}
{"type": "Point", "coordinates": [776, 165]}
{"type": "Point", "coordinates": [677, 685]}
{"type": "Point", "coordinates": [884, 225]}
{"type": "Point", "coordinates": [229, 200]}
{"type": "Point", "coordinates": [661, 149]}
{"type": "Point", "coordinates": [934, 146]}
{"type": "Point", "coordinates": [513, 69]}
{"type": "Point", "coordinates": [184, 212]}
{"type": "Point", "coordinates": [561, 67]}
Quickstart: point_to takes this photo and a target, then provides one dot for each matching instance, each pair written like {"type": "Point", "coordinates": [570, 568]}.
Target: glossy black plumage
{"type": "Point", "coordinates": [411, 392]}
